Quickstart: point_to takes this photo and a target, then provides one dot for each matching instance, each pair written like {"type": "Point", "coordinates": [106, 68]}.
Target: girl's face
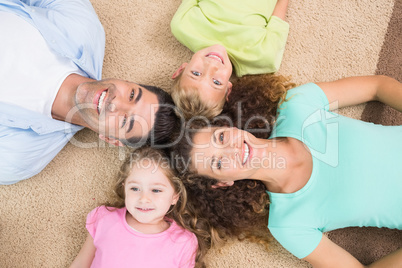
{"type": "Point", "coordinates": [148, 196]}
{"type": "Point", "coordinates": [227, 154]}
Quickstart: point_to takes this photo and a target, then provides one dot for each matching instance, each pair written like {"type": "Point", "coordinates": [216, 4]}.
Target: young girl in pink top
{"type": "Point", "coordinates": [141, 229]}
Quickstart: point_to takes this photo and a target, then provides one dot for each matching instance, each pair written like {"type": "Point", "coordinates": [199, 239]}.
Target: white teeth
{"type": "Point", "coordinates": [145, 209]}
{"type": "Point", "coordinates": [216, 57]}
{"type": "Point", "coordinates": [246, 153]}
{"type": "Point", "coordinates": [101, 98]}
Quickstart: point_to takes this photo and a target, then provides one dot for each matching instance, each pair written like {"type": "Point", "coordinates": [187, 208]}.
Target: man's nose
{"type": "Point", "coordinates": [111, 107]}
{"type": "Point", "coordinates": [117, 104]}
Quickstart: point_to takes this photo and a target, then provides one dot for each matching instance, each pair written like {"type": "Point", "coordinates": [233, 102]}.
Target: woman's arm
{"type": "Point", "coordinates": [86, 254]}
{"type": "Point", "coordinates": [355, 90]}
{"type": "Point", "coordinates": [280, 9]}
{"type": "Point", "coordinates": [327, 255]}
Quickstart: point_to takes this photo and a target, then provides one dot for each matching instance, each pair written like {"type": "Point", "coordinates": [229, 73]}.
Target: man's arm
{"type": "Point", "coordinates": [355, 90]}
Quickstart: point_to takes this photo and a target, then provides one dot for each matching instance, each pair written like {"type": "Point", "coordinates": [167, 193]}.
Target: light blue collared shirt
{"type": "Point", "coordinates": [29, 140]}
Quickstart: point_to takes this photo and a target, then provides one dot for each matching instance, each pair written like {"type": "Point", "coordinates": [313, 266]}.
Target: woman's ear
{"type": "Point", "coordinates": [223, 184]}
{"type": "Point", "coordinates": [113, 141]}
{"type": "Point", "coordinates": [179, 70]}
{"type": "Point", "coordinates": [228, 90]}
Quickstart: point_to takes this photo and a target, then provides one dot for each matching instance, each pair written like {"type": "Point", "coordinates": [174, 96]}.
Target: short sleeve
{"type": "Point", "coordinates": [307, 95]}
{"type": "Point", "coordinates": [301, 113]}
{"type": "Point", "coordinates": [298, 241]}
{"type": "Point", "coordinates": [92, 221]}
{"type": "Point", "coordinates": [189, 252]}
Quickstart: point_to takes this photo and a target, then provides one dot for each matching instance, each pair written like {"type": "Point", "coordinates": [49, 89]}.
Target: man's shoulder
{"type": "Point", "coordinates": [28, 142]}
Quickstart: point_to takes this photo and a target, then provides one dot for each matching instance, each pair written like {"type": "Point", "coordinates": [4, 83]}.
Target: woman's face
{"type": "Point", "coordinates": [227, 154]}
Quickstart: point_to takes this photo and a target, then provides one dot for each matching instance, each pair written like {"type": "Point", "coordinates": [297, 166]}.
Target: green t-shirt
{"type": "Point", "coordinates": [356, 178]}
{"type": "Point", "coordinates": [255, 40]}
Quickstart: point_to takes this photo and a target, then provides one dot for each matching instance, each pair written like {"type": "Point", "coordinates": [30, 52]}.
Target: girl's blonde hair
{"type": "Point", "coordinates": [189, 103]}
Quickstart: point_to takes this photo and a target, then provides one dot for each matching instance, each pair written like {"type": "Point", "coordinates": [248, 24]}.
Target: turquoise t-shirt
{"type": "Point", "coordinates": [356, 178]}
{"type": "Point", "coordinates": [254, 39]}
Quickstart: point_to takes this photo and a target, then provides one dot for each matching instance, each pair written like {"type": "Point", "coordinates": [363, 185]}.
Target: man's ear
{"type": "Point", "coordinates": [223, 184]}
{"type": "Point", "coordinates": [229, 90]}
{"type": "Point", "coordinates": [112, 141]}
{"type": "Point", "coordinates": [179, 70]}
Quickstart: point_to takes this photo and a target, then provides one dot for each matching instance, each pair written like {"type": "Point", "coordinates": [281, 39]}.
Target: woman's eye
{"type": "Point", "coordinates": [124, 121]}
{"type": "Point", "coordinates": [196, 73]}
{"type": "Point", "coordinates": [221, 136]}
{"type": "Point", "coordinates": [135, 189]}
{"type": "Point", "coordinates": [219, 164]}
{"type": "Point", "coordinates": [216, 82]}
{"type": "Point", "coordinates": [132, 95]}
{"type": "Point", "coordinates": [156, 191]}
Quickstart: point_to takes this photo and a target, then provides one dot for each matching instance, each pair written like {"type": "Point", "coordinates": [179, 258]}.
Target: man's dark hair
{"type": "Point", "coordinates": [166, 121]}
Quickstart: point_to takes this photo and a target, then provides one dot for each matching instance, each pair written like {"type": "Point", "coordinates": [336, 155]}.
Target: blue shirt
{"type": "Point", "coordinates": [356, 178]}
{"type": "Point", "coordinates": [28, 140]}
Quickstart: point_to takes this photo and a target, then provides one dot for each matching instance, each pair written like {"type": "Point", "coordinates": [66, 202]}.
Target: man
{"type": "Point", "coordinates": [51, 62]}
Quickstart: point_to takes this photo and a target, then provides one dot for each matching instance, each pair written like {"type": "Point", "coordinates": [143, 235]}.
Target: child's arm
{"type": "Point", "coordinates": [280, 9]}
{"type": "Point", "coordinates": [86, 254]}
{"type": "Point", "coordinates": [328, 255]}
{"type": "Point", "coordinates": [355, 90]}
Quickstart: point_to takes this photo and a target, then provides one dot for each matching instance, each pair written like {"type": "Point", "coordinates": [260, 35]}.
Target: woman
{"type": "Point", "coordinates": [322, 171]}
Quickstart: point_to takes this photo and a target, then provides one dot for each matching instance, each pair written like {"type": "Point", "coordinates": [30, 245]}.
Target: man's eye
{"type": "Point", "coordinates": [156, 191]}
{"type": "Point", "coordinates": [132, 95]}
{"type": "Point", "coordinates": [196, 73]}
{"type": "Point", "coordinates": [216, 82]}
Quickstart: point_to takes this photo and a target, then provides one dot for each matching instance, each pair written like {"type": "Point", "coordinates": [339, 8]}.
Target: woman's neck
{"type": "Point", "coordinates": [290, 165]}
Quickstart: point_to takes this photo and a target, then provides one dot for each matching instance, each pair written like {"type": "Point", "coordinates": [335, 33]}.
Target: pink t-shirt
{"type": "Point", "coordinates": [118, 245]}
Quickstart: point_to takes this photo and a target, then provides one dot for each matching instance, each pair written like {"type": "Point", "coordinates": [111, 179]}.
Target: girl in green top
{"type": "Point", "coordinates": [250, 35]}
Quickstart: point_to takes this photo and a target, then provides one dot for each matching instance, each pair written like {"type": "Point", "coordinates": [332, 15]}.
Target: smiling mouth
{"type": "Point", "coordinates": [246, 153]}
{"type": "Point", "coordinates": [101, 100]}
{"type": "Point", "coordinates": [215, 56]}
{"type": "Point", "coordinates": [145, 209]}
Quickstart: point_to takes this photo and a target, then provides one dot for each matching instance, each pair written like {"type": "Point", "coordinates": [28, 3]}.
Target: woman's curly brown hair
{"type": "Point", "coordinates": [239, 211]}
{"type": "Point", "coordinates": [254, 101]}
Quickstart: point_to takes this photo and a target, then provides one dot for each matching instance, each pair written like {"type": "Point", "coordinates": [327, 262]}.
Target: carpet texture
{"type": "Point", "coordinates": [42, 219]}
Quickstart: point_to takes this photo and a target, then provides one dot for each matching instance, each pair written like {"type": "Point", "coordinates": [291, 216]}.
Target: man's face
{"type": "Point", "coordinates": [116, 108]}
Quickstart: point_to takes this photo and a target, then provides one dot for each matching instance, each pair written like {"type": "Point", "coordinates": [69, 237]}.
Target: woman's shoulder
{"type": "Point", "coordinates": [309, 93]}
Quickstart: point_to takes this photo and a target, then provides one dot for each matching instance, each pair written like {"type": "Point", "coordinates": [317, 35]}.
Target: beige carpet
{"type": "Point", "coordinates": [42, 219]}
